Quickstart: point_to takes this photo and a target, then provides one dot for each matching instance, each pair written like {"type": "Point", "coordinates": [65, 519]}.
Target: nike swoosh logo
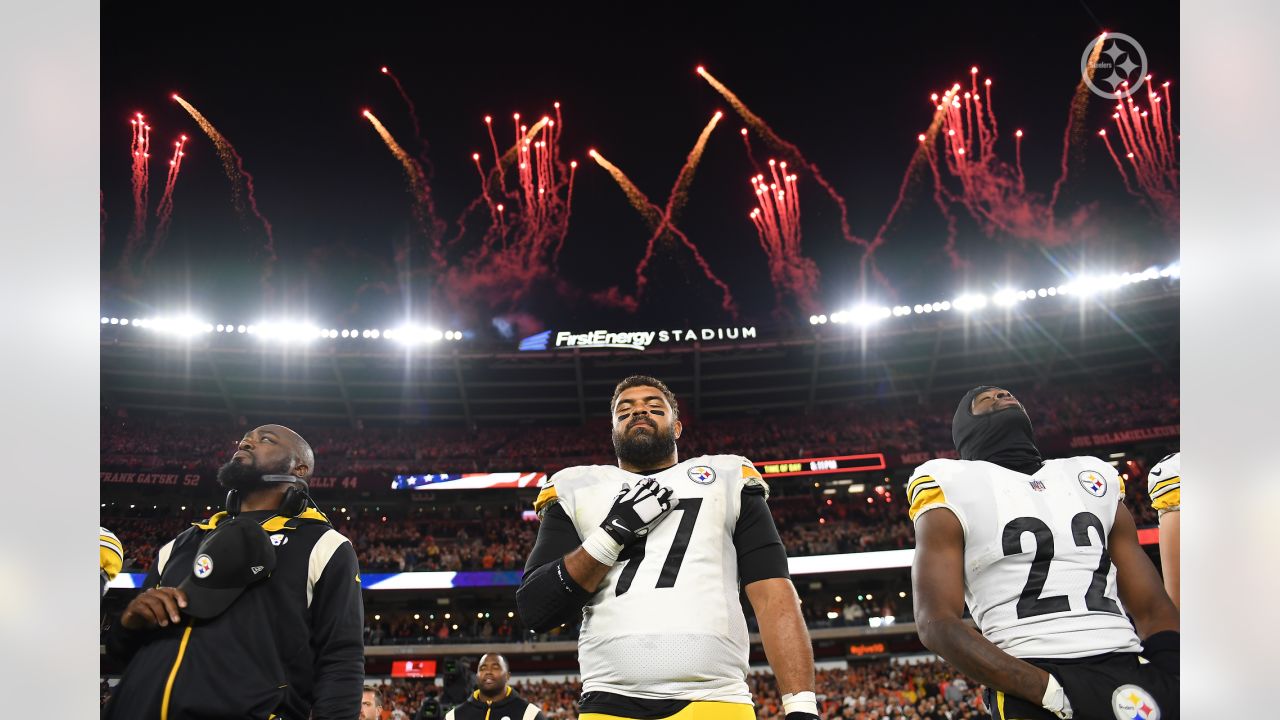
{"type": "Point", "coordinates": [620, 526]}
{"type": "Point", "coordinates": [1157, 473]}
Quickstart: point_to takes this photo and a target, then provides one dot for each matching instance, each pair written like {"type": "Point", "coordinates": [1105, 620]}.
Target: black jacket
{"type": "Point", "coordinates": [289, 648]}
{"type": "Point", "coordinates": [511, 707]}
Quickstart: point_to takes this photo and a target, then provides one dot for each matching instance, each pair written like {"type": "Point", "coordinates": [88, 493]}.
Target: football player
{"type": "Point", "coordinates": [1045, 555]}
{"type": "Point", "coordinates": [1164, 482]}
{"type": "Point", "coordinates": [649, 555]}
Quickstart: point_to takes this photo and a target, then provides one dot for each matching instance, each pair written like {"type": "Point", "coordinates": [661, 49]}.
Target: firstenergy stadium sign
{"type": "Point", "coordinates": [630, 340]}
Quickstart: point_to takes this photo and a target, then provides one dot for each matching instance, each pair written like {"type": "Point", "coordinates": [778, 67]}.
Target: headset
{"type": "Point", "coordinates": [296, 498]}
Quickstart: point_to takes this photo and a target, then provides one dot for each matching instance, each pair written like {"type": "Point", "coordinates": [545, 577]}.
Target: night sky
{"type": "Point", "coordinates": [849, 87]}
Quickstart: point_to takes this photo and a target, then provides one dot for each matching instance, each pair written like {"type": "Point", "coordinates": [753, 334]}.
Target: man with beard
{"type": "Point", "coordinates": [254, 613]}
{"type": "Point", "coordinates": [1046, 556]}
{"type": "Point", "coordinates": [494, 697]}
{"type": "Point", "coordinates": [663, 632]}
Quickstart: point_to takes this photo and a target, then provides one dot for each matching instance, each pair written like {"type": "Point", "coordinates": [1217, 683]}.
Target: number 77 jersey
{"type": "Point", "coordinates": [1039, 580]}
{"type": "Point", "coordinates": [666, 622]}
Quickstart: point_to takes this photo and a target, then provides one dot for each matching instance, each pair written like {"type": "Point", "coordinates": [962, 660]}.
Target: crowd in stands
{"type": "Point", "coordinates": [155, 444]}
{"type": "Point", "coordinates": [493, 537]}
{"type": "Point", "coordinates": [873, 690]}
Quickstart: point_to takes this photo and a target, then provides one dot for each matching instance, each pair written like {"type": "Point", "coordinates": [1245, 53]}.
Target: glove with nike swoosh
{"type": "Point", "coordinates": [636, 511]}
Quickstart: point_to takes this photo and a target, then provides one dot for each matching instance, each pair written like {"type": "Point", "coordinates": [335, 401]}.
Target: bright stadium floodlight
{"type": "Point", "coordinates": [105, 320]}
{"type": "Point", "coordinates": [970, 302]}
{"type": "Point", "coordinates": [1005, 298]}
{"type": "Point", "coordinates": [813, 320]}
{"type": "Point", "coordinates": [124, 321]}
{"type": "Point", "coordinates": [346, 333]}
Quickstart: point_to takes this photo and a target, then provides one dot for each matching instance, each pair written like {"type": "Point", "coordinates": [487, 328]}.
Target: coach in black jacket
{"type": "Point", "coordinates": [288, 647]}
{"type": "Point", "coordinates": [494, 699]}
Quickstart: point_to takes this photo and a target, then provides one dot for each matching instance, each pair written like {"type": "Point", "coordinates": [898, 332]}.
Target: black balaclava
{"type": "Point", "coordinates": [1003, 437]}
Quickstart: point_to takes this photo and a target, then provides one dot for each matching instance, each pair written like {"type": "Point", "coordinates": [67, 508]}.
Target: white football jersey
{"type": "Point", "coordinates": [1164, 484]}
{"type": "Point", "coordinates": [1039, 581]}
{"type": "Point", "coordinates": [666, 623]}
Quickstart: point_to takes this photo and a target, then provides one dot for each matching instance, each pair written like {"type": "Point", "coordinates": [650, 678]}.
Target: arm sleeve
{"type": "Point", "coordinates": [557, 537]}
{"type": "Point", "coordinates": [337, 638]}
{"type": "Point", "coordinates": [755, 538]}
{"type": "Point", "coordinates": [548, 596]}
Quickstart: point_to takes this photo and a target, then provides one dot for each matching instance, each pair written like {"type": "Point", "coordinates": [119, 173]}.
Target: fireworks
{"type": "Point", "coordinates": [164, 212]}
{"type": "Point", "coordinates": [241, 181]}
{"type": "Point", "coordinates": [792, 154]}
{"type": "Point", "coordinates": [968, 171]}
{"type": "Point", "coordinates": [140, 150]}
{"type": "Point", "coordinates": [433, 226]}
{"type": "Point", "coordinates": [661, 222]}
{"type": "Point", "coordinates": [1150, 146]}
{"type": "Point", "coordinates": [777, 221]}
{"type": "Point", "coordinates": [529, 217]}
{"type": "Point", "coordinates": [418, 188]}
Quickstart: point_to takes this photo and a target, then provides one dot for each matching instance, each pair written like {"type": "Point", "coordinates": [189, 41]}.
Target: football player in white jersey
{"type": "Point", "coordinates": [650, 555]}
{"type": "Point", "coordinates": [1164, 486]}
{"type": "Point", "coordinates": [1045, 555]}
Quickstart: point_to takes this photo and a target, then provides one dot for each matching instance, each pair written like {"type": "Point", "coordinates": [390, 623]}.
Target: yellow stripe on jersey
{"type": "Point", "coordinates": [917, 483]}
{"type": "Point", "coordinates": [1164, 485]}
{"type": "Point", "coordinates": [1000, 704]}
{"type": "Point", "coordinates": [545, 498]}
{"type": "Point", "coordinates": [696, 710]}
{"type": "Point", "coordinates": [750, 471]}
{"type": "Point", "coordinates": [1120, 479]}
{"type": "Point", "coordinates": [926, 497]}
{"type": "Point", "coordinates": [1170, 500]}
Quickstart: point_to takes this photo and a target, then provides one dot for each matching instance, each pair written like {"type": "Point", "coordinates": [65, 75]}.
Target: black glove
{"type": "Point", "coordinates": [637, 510]}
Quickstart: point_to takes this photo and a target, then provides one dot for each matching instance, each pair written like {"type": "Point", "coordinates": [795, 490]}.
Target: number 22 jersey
{"type": "Point", "coordinates": [1039, 581]}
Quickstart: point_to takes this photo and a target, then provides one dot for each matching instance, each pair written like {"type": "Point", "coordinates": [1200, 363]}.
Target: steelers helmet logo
{"type": "Point", "coordinates": [702, 474]}
{"type": "Point", "coordinates": [1093, 482]}
{"type": "Point", "coordinates": [203, 566]}
{"type": "Point", "coordinates": [1130, 702]}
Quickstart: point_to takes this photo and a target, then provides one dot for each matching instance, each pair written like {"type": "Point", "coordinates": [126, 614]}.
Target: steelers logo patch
{"type": "Point", "coordinates": [1093, 483]}
{"type": "Point", "coordinates": [702, 474]}
{"type": "Point", "coordinates": [279, 539]}
{"type": "Point", "coordinates": [203, 566]}
{"type": "Point", "coordinates": [1130, 702]}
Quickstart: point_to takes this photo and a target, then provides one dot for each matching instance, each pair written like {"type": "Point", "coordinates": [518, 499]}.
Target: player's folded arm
{"type": "Point", "coordinates": [548, 596]}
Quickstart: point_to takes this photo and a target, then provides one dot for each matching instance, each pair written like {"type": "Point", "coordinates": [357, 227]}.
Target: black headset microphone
{"type": "Point", "coordinates": [296, 498]}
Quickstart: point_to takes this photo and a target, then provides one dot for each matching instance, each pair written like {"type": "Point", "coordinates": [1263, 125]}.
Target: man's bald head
{"type": "Point", "coordinates": [304, 459]}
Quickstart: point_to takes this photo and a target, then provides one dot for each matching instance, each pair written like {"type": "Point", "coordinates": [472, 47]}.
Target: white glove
{"type": "Point", "coordinates": [1055, 699]}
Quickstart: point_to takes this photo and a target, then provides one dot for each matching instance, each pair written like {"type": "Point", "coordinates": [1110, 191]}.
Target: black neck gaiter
{"type": "Point", "coordinates": [1004, 437]}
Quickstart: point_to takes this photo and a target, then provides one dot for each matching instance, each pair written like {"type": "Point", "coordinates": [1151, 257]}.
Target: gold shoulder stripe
{"type": "Point", "coordinates": [112, 541]}
{"type": "Point", "coordinates": [545, 498]}
{"type": "Point", "coordinates": [750, 471]}
{"type": "Point", "coordinates": [925, 498]}
{"type": "Point", "coordinates": [1120, 479]}
{"type": "Point", "coordinates": [912, 485]}
{"type": "Point", "coordinates": [1165, 484]}
{"type": "Point", "coordinates": [1169, 500]}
